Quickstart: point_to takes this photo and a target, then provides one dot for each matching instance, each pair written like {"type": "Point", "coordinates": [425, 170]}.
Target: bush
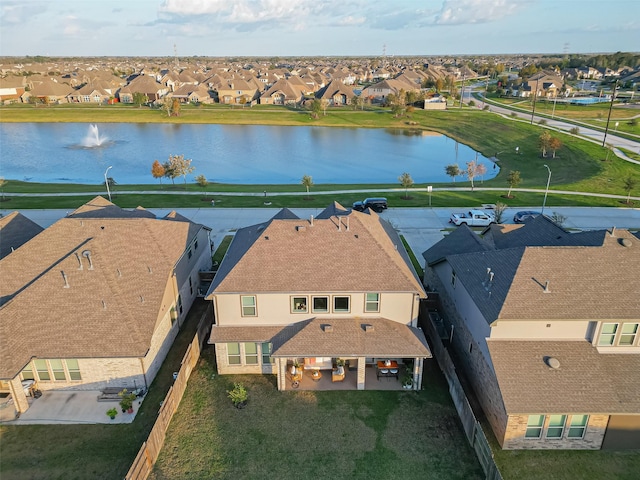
{"type": "Point", "coordinates": [238, 394]}
{"type": "Point", "coordinates": [575, 130]}
{"type": "Point", "coordinates": [472, 103]}
{"type": "Point", "coordinates": [542, 122]}
{"type": "Point", "coordinates": [514, 115]}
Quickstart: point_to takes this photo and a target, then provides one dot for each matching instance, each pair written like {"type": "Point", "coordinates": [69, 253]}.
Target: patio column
{"type": "Point", "coordinates": [281, 365]}
{"type": "Point", "coordinates": [417, 373]}
{"type": "Point", "coordinates": [18, 395]}
{"type": "Point", "coordinates": [361, 372]}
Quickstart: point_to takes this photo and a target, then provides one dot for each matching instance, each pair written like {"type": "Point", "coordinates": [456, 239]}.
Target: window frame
{"type": "Point", "coordinates": [30, 370]}
{"type": "Point", "coordinates": [237, 356]}
{"type": "Point", "coordinates": [613, 334]}
{"type": "Point", "coordinates": [74, 371]}
{"type": "Point", "coordinates": [340, 310]}
{"type": "Point", "coordinates": [313, 304]}
{"type": "Point", "coordinates": [577, 427]}
{"type": "Point", "coordinates": [634, 334]}
{"type": "Point", "coordinates": [453, 278]}
{"type": "Point", "coordinates": [45, 371]}
{"type": "Point", "coordinates": [293, 302]}
{"type": "Point", "coordinates": [254, 306]}
{"type": "Point", "coordinates": [368, 302]}
{"type": "Point", "coordinates": [58, 372]}
{"type": "Point", "coordinates": [554, 427]}
{"type": "Point", "coordinates": [532, 426]}
{"type": "Point", "coordinates": [265, 348]}
{"type": "Point", "coordinates": [251, 357]}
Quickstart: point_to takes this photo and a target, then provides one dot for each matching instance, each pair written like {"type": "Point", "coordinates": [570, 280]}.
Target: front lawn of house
{"type": "Point", "coordinates": [312, 435]}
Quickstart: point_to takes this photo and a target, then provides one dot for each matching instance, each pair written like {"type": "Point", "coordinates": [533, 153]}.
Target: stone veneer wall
{"type": "Point", "coordinates": [224, 368]}
{"type": "Point", "coordinates": [517, 425]}
{"type": "Point", "coordinates": [477, 370]}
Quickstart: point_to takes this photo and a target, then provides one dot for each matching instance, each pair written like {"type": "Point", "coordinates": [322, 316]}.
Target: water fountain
{"type": "Point", "coordinates": [93, 138]}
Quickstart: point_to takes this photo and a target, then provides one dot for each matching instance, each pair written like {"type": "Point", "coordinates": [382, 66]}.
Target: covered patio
{"type": "Point", "coordinates": [350, 382]}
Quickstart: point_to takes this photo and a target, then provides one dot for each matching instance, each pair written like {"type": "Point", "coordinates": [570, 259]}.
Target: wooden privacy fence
{"type": "Point", "coordinates": [472, 428]}
{"type": "Point", "coordinates": [148, 454]}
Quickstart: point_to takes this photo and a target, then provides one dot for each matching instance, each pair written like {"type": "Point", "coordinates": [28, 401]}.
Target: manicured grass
{"type": "Point", "coordinates": [310, 435]}
{"type": "Point", "coordinates": [414, 261]}
{"type": "Point", "coordinates": [85, 452]}
{"type": "Point", "coordinates": [222, 249]}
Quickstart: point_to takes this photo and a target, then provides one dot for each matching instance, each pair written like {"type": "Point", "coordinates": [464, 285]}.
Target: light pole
{"type": "Point", "coordinates": [544, 202]}
{"type": "Point", "coordinates": [106, 182]}
{"type": "Point", "coordinates": [613, 97]}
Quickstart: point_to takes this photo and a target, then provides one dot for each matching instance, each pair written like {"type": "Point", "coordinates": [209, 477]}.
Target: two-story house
{"type": "Point", "coordinates": [545, 323]}
{"type": "Point", "coordinates": [315, 290]}
{"type": "Point", "coordinates": [97, 299]}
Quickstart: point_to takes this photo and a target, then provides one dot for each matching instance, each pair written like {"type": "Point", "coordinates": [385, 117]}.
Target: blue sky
{"type": "Point", "coordinates": [316, 27]}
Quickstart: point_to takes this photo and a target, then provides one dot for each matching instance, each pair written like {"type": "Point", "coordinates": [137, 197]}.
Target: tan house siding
{"type": "Point", "coordinates": [517, 425]}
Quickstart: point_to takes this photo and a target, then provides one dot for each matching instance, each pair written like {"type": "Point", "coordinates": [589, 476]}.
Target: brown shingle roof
{"type": "Point", "coordinates": [109, 310]}
{"type": "Point", "coordinates": [15, 230]}
{"type": "Point", "coordinates": [586, 382]}
{"type": "Point", "coordinates": [359, 252]}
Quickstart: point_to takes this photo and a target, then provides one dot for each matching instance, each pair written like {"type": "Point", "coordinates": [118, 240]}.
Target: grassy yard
{"type": "Point", "coordinates": [306, 435]}
{"type": "Point", "coordinates": [85, 452]}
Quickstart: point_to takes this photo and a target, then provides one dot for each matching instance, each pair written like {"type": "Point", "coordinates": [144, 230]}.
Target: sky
{"type": "Point", "coordinates": [270, 28]}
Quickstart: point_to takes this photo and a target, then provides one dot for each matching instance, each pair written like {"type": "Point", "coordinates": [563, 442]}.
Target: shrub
{"type": "Point", "coordinates": [238, 394]}
{"type": "Point", "coordinates": [575, 130]}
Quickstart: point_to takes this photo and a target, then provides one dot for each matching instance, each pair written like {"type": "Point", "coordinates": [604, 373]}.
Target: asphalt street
{"type": "Point", "coordinates": [421, 227]}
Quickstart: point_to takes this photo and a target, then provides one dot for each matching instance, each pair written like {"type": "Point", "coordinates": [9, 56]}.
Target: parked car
{"type": "Point", "coordinates": [377, 204]}
{"type": "Point", "coordinates": [473, 218]}
{"type": "Point", "coordinates": [525, 215]}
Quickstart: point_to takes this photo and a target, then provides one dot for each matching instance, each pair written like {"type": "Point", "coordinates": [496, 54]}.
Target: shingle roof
{"type": "Point", "coordinates": [111, 305]}
{"type": "Point", "coordinates": [586, 382]}
{"type": "Point", "coordinates": [353, 252]}
{"type": "Point", "coordinates": [461, 240]}
{"type": "Point", "coordinates": [100, 207]}
{"type": "Point", "coordinates": [383, 338]}
{"type": "Point", "coordinates": [15, 230]}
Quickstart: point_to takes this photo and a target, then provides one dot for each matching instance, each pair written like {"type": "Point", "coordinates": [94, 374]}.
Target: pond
{"type": "Point", "coordinates": [240, 154]}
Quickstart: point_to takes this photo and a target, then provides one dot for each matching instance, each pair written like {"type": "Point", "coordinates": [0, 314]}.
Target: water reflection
{"type": "Point", "coordinates": [229, 153]}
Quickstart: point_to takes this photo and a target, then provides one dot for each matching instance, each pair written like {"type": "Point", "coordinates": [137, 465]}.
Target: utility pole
{"type": "Point", "coordinates": [613, 96]}
{"type": "Point", "coordinates": [535, 95]}
{"type": "Point", "coordinates": [462, 90]}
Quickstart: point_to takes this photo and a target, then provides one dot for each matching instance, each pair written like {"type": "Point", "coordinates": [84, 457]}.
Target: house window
{"type": "Point", "coordinates": [556, 426]}
{"type": "Point", "coordinates": [195, 245]}
{"type": "Point", "coordinates": [233, 353]}
{"type": "Point", "coordinates": [251, 353]}
{"type": "Point", "coordinates": [299, 305]}
{"type": "Point", "coordinates": [577, 426]}
{"type": "Point", "coordinates": [58, 370]}
{"type": "Point", "coordinates": [266, 353]}
{"type": "Point", "coordinates": [74, 369]}
{"type": "Point", "coordinates": [42, 369]}
{"type": "Point", "coordinates": [628, 333]}
{"type": "Point", "coordinates": [340, 304]}
{"type": "Point", "coordinates": [608, 334]}
{"type": "Point", "coordinates": [190, 286]}
{"type": "Point", "coordinates": [27, 373]}
{"type": "Point", "coordinates": [453, 278]}
{"type": "Point", "coordinates": [372, 302]}
{"type": "Point", "coordinates": [180, 304]}
{"type": "Point", "coordinates": [189, 253]}
{"type": "Point", "coordinates": [248, 305]}
{"type": "Point", "coordinates": [534, 426]}
{"type": "Point", "coordinates": [320, 304]}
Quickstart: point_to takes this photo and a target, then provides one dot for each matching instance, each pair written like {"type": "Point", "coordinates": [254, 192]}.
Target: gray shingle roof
{"type": "Point", "coordinates": [586, 382]}
{"type": "Point", "coordinates": [15, 230]}
{"type": "Point", "coordinates": [461, 240]}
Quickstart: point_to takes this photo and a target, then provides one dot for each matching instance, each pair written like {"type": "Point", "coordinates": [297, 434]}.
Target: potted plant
{"type": "Point", "coordinates": [295, 367]}
{"type": "Point", "coordinates": [112, 412]}
{"type": "Point", "coordinates": [339, 362]}
{"type": "Point", "coordinates": [238, 395]}
{"type": "Point", "coordinates": [126, 402]}
{"type": "Point", "coordinates": [407, 380]}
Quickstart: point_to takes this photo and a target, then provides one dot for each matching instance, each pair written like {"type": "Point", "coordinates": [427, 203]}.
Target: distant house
{"type": "Point", "coordinates": [336, 93]}
{"type": "Point", "coordinates": [236, 91]}
{"type": "Point", "coordinates": [11, 88]}
{"type": "Point", "coordinates": [282, 92]}
{"type": "Point", "coordinates": [190, 93]}
{"type": "Point", "coordinates": [546, 326]}
{"type": "Point", "coordinates": [145, 84]}
{"type": "Point", "coordinates": [378, 92]}
{"type": "Point", "coordinates": [96, 299]}
{"type": "Point", "coordinates": [312, 291]}
{"type": "Point", "coordinates": [48, 91]}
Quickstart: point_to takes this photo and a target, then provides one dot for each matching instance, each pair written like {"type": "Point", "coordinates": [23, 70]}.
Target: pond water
{"type": "Point", "coordinates": [247, 154]}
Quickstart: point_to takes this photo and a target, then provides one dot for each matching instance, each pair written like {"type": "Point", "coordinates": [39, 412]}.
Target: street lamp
{"type": "Point", "coordinates": [544, 202]}
{"type": "Point", "coordinates": [106, 182]}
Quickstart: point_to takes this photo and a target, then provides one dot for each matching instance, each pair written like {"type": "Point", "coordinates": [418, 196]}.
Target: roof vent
{"type": "Point", "coordinates": [87, 254]}
{"type": "Point", "coordinates": [300, 228]}
{"type": "Point", "coordinates": [327, 328]}
{"type": "Point", "coordinates": [79, 261]}
{"type": "Point", "coordinates": [266, 237]}
{"type": "Point", "coordinates": [625, 242]}
{"type": "Point", "coordinates": [546, 287]}
{"type": "Point", "coordinates": [369, 328]}
{"type": "Point", "coordinates": [64, 277]}
{"type": "Point", "coordinates": [311, 220]}
{"type": "Point", "coordinates": [552, 362]}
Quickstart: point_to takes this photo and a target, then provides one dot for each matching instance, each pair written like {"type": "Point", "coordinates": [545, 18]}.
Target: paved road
{"type": "Point", "coordinates": [421, 227]}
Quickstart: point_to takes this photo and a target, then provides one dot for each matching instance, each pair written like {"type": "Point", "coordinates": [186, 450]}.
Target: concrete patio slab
{"type": "Point", "coordinates": [72, 407]}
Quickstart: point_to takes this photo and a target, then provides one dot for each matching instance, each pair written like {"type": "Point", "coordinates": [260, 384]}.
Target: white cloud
{"type": "Point", "coordinates": [242, 11]}
{"type": "Point", "coordinates": [457, 12]}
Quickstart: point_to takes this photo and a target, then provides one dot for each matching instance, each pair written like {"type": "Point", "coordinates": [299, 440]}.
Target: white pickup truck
{"type": "Point", "coordinates": [473, 218]}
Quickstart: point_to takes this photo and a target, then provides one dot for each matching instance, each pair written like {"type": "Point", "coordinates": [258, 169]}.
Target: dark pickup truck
{"type": "Point", "coordinates": [377, 204]}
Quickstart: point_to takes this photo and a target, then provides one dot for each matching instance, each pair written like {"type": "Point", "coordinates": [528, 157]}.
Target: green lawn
{"type": "Point", "coordinates": [307, 435]}
{"type": "Point", "coordinates": [86, 452]}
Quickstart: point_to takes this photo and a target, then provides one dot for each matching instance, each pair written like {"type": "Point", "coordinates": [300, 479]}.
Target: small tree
{"type": "Point", "coordinates": [157, 170]}
{"type": "Point", "coordinates": [316, 108]}
{"type": "Point", "coordinates": [406, 181]}
{"type": "Point", "coordinates": [471, 172]}
{"type": "Point", "coordinates": [180, 166]}
{"type": "Point", "coordinates": [629, 184]}
{"type": "Point", "coordinates": [543, 142]}
{"type": "Point", "coordinates": [307, 182]}
{"type": "Point", "coordinates": [170, 171]}
{"type": "Point", "coordinates": [513, 179]}
{"type": "Point", "coordinates": [554, 144]}
{"type": "Point", "coordinates": [140, 99]}
{"type": "Point", "coordinates": [481, 170]}
{"type": "Point", "coordinates": [498, 211]}
{"type": "Point", "coordinates": [175, 107]}
{"type": "Point", "coordinates": [202, 181]}
{"type": "Point", "coordinates": [453, 171]}
{"type": "Point", "coordinates": [575, 131]}
{"type": "Point", "coordinates": [3, 182]}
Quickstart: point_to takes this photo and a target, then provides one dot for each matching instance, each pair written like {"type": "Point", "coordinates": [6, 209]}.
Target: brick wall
{"type": "Point", "coordinates": [592, 440]}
